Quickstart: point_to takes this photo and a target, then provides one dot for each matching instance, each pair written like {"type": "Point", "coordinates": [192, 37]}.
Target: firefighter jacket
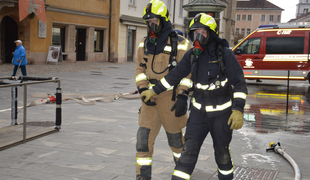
{"type": "Point", "coordinates": [213, 92]}
{"type": "Point", "coordinates": [148, 70]}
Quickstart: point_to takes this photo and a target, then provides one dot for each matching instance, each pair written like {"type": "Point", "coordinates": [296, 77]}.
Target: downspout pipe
{"type": "Point", "coordinates": [110, 22]}
{"type": "Point", "coordinates": [174, 14]}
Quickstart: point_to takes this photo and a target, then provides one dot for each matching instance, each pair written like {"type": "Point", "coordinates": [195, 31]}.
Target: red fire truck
{"type": "Point", "coordinates": [274, 52]}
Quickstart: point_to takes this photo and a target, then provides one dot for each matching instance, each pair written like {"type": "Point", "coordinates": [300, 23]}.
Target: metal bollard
{"type": "Point", "coordinates": [14, 106]}
{"type": "Point", "coordinates": [58, 108]}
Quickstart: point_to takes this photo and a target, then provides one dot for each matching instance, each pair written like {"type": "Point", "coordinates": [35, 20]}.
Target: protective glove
{"type": "Point", "coordinates": [235, 119]}
{"type": "Point", "coordinates": [180, 106]}
{"type": "Point", "coordinates": [146, 95]}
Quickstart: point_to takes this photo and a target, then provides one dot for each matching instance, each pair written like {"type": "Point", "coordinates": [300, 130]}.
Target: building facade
{"type": "Point", "coordinates": [228, 22]}
{"type": "Point", "coordinates": [303, 7]}
{"type": "Point", "coordinates": [250, 14]}
{"type": "Point", "coordinates": [132, 28]}
{"type": "Point", "coordinates": [80, 27]}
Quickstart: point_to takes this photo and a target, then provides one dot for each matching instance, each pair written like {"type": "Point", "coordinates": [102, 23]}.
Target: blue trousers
{"type": "Point", "coordinates": [22, 68]}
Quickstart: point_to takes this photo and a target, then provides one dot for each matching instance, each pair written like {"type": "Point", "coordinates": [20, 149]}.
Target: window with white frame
{"type": "Point", "coordinates": [237, 31]}
{"type": "Point", "coordinates": [270, 17]}
{"type": "Point", "coordinates": [132, 2]}
{"type": "Point", "coordinates": [249, 17]}
{"type": "Point", "coordinates": [248, 31]}
{"type": "Point", "coordinates": [238, 17]}
{"type": "Point", "coordinates": [263, 18]}
{"type": "Point", "coordinates": [181, 8]}
{"type": "Point", "coordinates": [242, 31]}
{"type": "Point", "coordinates": [243, 17]}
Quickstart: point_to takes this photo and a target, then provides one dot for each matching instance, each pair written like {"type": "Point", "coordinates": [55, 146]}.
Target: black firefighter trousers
{"type": "Point", "coordinates": [198, 127]}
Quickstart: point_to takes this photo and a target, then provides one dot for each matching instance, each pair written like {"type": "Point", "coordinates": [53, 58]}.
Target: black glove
{"type": "Point", "coordinates": [180, 106]}
{"type": "Point", "coordinates": [142, 89]}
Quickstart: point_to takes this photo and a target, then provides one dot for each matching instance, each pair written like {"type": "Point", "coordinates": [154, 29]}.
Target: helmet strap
{"type": "Point", "coordinates": [152, 37]}
{"type": "Point", "coordinates": [197, 50]}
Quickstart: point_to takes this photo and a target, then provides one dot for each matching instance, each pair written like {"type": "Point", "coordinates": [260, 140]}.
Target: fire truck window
{"type": "Point", "coordinates": [285, 45]}
{"type": "Point", "coordinates": [250, 46]}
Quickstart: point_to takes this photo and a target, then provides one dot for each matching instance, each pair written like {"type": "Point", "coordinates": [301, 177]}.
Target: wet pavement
{"type": "Point", "coordinates": [271, 106]}
{"type": "Point", "coordinates": [98, 141]}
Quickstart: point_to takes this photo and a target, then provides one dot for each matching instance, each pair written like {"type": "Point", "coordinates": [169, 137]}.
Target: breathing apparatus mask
{"type": "Point", "coordinates": [200, 38]}
{"type": "Point", "coordinates": [154, 26]}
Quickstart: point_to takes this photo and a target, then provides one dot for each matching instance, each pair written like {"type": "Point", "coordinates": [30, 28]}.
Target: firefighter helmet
{"type": "Point", "coordinates": [156, 9]}
{"type": "Point", "coordinates": [154, 15]}
{"type": "Point", "coordinates": [202, 20]}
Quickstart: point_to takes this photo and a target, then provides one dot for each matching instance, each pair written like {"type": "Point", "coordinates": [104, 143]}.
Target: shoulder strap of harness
{"type": "Point", "coordinates": [174, 49]}
{"type": "Point", "coordinates": [173, 55]}
{"type": "Point", "coordinates": [144, 47]}
{"type": "Point", "coordinates": [220, 56]}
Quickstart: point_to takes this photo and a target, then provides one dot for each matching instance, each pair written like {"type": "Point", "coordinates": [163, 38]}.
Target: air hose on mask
{"type": "Point", "coordinates": [153, 63]}
{"type": "Point", "coordinates": [277, 148]}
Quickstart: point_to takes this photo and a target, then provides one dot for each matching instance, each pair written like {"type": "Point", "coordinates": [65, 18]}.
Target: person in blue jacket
{"type": "Point", "coordinates": [20, 58]}
{"type": "Point", "coordinates": [219, 94]}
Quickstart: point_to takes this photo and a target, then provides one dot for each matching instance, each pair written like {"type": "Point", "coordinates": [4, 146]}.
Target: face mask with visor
{"type": "Point", "coordinates": [201, 37]}
{"type": "Point", "coordinates": [154, 27]}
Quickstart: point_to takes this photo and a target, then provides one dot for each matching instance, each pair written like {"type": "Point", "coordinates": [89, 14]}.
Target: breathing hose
{"type": "Point", "coordinates": [153, 63]}
{"type": "Point", "coordinates": [277, 148]}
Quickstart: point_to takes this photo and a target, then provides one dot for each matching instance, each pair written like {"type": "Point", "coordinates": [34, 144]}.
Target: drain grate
{"type": "Point", "coordinates": [96, 72]}
{"type": "Point", "coordinates": [123, 78]}
{"type": "Point", "coordinates": [121, 84]}
{"type": "Point", "coordinates": [246, 173]}
{"type": "Point", "coordinates": [41, 124]}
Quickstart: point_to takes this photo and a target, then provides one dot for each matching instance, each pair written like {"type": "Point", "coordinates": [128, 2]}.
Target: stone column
{"type": "Point", "coordinates": [70, 43]}
{"type": "Point", "coordinates": [90, 55]}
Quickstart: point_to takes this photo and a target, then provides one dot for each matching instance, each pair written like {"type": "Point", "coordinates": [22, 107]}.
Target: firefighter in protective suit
{"type": "Point", "coordinates": [219, 94]}
{"type": "Point", "coordinates": [157, 54]}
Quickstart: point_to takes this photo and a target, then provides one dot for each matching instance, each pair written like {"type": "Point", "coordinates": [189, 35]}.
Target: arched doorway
{"type": "Point", "coordinates": [9, 33]}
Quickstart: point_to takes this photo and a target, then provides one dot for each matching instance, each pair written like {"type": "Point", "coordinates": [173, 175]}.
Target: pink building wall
{"type": "Point", "coordinates": [255, 20]}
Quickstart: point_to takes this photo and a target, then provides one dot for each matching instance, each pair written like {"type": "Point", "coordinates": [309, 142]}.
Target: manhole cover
{"type": "Point", "coordinates": [96, 74]}
{"type": "Point", "coordinates": [245, 173]}
{"type": "Point", "coordinates": [41, 124]}
{"type": "Point", "coordinates": [114, 67]}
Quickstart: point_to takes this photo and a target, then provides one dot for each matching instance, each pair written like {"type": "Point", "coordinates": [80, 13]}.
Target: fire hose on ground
{"type": "Point", "coordinates": [277, 148]}
{"type": "Point", "coordinates": [57, 97]}
{"type": "Point", "coordinates": [79, 98]}
{"type": "Point", "coordinates": [51, 97]}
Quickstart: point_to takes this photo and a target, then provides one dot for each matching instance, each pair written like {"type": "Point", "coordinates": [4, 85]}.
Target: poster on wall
{"type": "Point", "coordinates": [54, 53]}
{"type": "Point", "coordinates": [42, 29]}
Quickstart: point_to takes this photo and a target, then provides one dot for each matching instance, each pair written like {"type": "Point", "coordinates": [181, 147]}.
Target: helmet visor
{"type": "Point", "coordinates": [153, 24]}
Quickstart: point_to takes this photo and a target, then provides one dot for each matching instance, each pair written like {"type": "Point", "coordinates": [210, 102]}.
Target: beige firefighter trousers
{"type": "Point", "coordinates": [151, 118]}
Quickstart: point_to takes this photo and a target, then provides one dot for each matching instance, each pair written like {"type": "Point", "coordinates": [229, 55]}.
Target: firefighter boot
{"type": "Point", "coordinates": [142, 178]}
